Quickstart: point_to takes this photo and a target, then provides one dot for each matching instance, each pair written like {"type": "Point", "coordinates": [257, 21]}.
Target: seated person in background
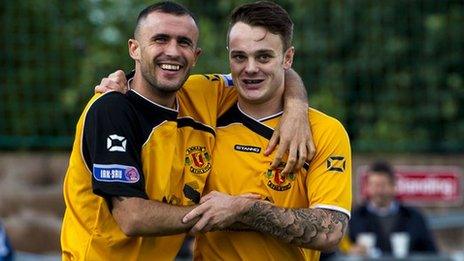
{"type": "Point", "coordinates": [382, 215]}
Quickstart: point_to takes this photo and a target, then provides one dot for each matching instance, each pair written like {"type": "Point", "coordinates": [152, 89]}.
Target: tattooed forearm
{"type": "Point", "coordinates": [238, 226]}
{"type": "Point", "coordinates": [304, 227]}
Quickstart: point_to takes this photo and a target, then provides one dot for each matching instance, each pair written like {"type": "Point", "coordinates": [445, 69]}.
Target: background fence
{"type": "Point", "coordinates": [391, 71]}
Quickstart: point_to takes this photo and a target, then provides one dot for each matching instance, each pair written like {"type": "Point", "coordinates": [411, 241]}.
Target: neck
{"type": "Point", "coordinates": [383, 210]}
{"type": "Point", "coordinates": [258, 109]}
{"type": "Point", "coordinates": [144, 88]}
{"type": "Point", "coordinates": [383, 205]}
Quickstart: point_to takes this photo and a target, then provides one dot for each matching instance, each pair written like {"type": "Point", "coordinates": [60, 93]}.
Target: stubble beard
{"type": "Point", "coordinates": [162, 89]}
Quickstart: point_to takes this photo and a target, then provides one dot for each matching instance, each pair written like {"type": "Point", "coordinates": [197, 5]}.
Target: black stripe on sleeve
{"type": "Point", "coordinates": [111, 143]}
{"type": "Point", "coordinates": [234, 115]}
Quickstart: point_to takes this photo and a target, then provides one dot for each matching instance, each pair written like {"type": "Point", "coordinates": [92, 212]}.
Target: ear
{"type": "Point", "coordinates": [134, 49]}
{"type": "Point", "coordinates": [197, 55]}
{"type": "Point", "coordinates": [288, 57]}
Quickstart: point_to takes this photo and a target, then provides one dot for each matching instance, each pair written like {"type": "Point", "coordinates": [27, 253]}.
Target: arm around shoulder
{"type": "Point", "coordinates": [135, 214]}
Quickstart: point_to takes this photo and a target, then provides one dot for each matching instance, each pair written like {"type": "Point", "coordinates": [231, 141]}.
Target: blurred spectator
{"type": "Point", "coordinates": [6, 253]}
{"type": "Point", "coordinates": [382, 216]}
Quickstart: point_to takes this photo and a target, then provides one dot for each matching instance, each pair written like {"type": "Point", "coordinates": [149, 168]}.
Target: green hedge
{"type": "Point", "coordinates": [391, 71]}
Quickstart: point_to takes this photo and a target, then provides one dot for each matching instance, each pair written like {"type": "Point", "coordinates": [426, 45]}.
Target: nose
{"type": "Point", "coordinates": [171, 48]}
{"type": "Point", "coordinates": [251, 67]}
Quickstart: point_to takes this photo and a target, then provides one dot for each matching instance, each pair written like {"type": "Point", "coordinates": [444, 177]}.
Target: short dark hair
{"type": "Point", "coordinates": [265, 14]}
{"type": "Point", "coordinates": [167, 7]}
{"type": "Point", "coordinates": [383, 168]}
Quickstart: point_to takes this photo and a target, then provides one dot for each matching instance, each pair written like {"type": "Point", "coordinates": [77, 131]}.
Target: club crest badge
{"type": "Point", "coordinates": [277, 181]}
{"type": "Point", "coordinates": [198, 159]}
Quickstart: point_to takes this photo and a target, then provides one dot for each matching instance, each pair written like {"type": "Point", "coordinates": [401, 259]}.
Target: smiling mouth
{"type": "Point", "coordinates": [170, 67]}
{"type": "Point", "coordinates": [252, 81]}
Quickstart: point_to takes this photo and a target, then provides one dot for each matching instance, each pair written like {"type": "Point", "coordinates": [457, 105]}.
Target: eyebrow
{"type": "Point", "coordinates": [184, 38]}
{"type": "Point", "coordinates": [159, 35]}
{"type": "Point", "coordinates": [258, 52]}
{"type": "Point", "coordinates": [264, 51]}
{"type": "Point", "coordinates": [236, 52]}
{"type": "Point", "coordinates": [179, 38]}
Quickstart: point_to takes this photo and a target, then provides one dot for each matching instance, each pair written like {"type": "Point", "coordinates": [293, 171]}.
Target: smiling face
{"type": "Point", "coordinates": [165, 49]}
{"type": "Point", "coordinates": [258, 63]}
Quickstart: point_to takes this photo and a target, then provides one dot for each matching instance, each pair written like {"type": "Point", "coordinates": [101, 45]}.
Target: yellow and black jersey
{"type": "Point", "coordinates": [324, 183]}
{"type": "Point", "coordinates": [126, 145]}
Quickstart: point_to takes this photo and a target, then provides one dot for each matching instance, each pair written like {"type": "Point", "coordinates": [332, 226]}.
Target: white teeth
{"type": "Point", "coordinates": [170, 67]}
{"type": "Point", "coordinates": [252, 81]}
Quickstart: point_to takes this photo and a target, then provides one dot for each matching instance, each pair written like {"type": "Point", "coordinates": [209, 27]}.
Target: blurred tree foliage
{"type": "Point", "coordinates": [392, 71]}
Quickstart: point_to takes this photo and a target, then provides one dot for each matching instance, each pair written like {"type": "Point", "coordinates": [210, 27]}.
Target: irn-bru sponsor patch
{"type": "Point", "coordinates": [115, 173]}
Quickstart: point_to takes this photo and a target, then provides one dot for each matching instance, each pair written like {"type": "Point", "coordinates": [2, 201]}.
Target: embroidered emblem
{"type": "Point", "coordinates": [277, 181]}
{"type": "Point", "coordinates": [198, 159]}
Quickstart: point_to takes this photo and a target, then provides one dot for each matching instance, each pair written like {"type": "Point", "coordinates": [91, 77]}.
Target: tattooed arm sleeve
{"type": "Point", "coordinates": [314, 228]}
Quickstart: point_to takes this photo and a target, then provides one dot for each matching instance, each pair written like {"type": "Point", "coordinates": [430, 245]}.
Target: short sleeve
{"type": "Point", "coordinates": [227, 93]}
{"type": "Point", "coordinates": [112, 147]}
{"type": "Point", "coordinates": [329, 176]}
{"type": "Point", "coordinates": [217, 89]}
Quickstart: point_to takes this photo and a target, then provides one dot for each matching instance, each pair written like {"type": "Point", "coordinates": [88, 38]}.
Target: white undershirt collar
{"type": "Point", "coordinates": [261, 119]}
{"type": "Point", "coordinates": [159, 105]}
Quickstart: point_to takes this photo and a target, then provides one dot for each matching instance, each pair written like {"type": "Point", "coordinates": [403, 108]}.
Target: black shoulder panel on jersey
{"type": "Point", "coordinates": [149, 114]}
{"type": "Point", "coordinates": [189, 122]}
{"type": "Point", "coordinates": [116, 127]}
{"type": "Point", "coordinates": [234, 115]}
{"type": "Point", "coordinates": [142, 114]}
{"type": "Point", "coordinates": [106, 104]}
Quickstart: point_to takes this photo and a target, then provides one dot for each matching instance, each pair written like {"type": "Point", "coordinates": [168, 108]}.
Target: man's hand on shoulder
{"type": "Point", "coordinates": [114, 82]}
{"type": "Point", "coordinates": [294, 137]}
{"type": "Point", "coordinates": [293, 134]}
